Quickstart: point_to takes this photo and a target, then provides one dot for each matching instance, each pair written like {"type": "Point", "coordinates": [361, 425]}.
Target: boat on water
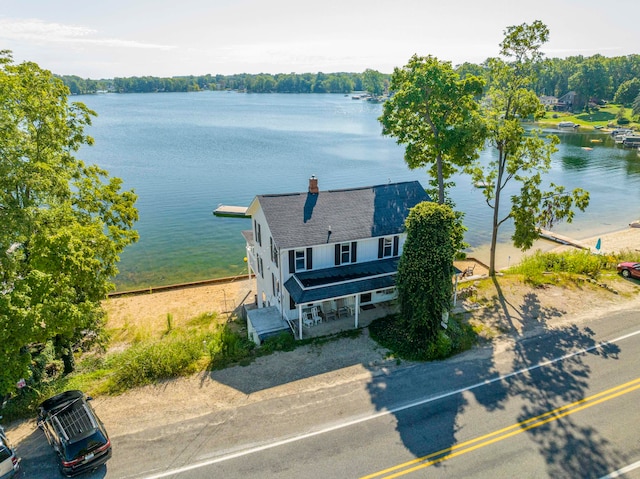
{"type": "Point", "coordinates": [567, 124]}
{"type": "Point", "coordinates": [631, 141]}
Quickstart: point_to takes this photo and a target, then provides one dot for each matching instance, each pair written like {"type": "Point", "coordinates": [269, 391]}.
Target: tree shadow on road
{"type": "Point", "coordinates": [484, 376]}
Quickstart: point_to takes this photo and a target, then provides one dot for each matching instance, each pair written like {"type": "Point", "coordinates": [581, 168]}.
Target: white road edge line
{"type": "Point", "coordinates": [622, 471]}
{"type": "Point", "coordinates": [272, 445]}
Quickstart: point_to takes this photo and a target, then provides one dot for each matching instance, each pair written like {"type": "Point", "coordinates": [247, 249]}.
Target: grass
{"type": "Point", "coordinates": [602, 118]}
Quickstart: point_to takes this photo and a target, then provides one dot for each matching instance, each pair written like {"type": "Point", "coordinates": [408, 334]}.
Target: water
{"type": "Point", "coordinates": [186, 153]}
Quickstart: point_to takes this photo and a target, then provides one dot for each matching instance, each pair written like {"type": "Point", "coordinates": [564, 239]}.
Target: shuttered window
{"type": "Point", "coordinates": [346, 253]}
{"type": "Point", "coordinates": [388, 246]}
{"type": "Point", "coordinates": [300, 260]}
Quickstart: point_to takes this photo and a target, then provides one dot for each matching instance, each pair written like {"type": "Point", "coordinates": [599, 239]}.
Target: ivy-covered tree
{"type": "Point", "coordinates": [63, 223]}
{"type": "Point", "coordinates": [425, 272]}
{"type": "Point", "coordinates": [522, 156]}
{"type": "Point", "coordinates": [434, 114]}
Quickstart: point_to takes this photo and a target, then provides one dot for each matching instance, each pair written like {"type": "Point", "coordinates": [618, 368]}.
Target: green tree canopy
{"type": "Point", "coordinates": [627, 92]}
{"type": "Point", "coordinates": [373, 82]}
{"type": "Point", "coordinates": [425, 272]}
{"type": "Point", "coordinates": [434, 114]}
{"type": "Point", "coordinates": [636, 105]}
{"type": "Point", "coordinates": [63, 223]}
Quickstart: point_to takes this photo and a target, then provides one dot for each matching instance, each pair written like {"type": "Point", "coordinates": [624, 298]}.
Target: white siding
{"type": "Point", "coordinates": [323, 257]}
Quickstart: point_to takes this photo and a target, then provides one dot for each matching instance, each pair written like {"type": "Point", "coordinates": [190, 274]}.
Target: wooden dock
{"type": "Point", "coordinates": [231, 211]}
{"type": "Point", "coordinates": [562, 239]}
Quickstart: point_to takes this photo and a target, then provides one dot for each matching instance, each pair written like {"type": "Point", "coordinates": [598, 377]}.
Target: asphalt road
{"type": "Point", "coordinates": [561, 404]}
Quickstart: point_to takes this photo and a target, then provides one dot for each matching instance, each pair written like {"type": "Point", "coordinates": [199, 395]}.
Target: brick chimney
{"type": "Point", "coordinates": [313, 185]}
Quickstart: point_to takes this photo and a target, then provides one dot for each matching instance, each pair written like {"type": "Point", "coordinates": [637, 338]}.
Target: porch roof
{"type": "Point", "coordinates": [319, 285]}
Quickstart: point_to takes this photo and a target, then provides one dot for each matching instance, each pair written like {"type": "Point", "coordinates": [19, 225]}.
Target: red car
{"type": "Point", "coordinates": [629, 270]}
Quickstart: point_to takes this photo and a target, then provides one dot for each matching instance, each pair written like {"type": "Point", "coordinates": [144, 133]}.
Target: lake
{"type": "Point", "coordinates": [186, 153]}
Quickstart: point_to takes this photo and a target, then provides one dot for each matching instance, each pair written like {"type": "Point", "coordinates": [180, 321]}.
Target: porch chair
{"type": "Point", "coordinates": [469, 271]}
{"type": "Point", "coordinates": [315, 315]}
{"type": "Point", "coordinates": [331, 314]}
{"type": "Point", "coordinates": [307, 319]}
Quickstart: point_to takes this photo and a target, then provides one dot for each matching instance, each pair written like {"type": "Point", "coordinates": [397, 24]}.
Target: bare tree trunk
{"type": "Point", "coordinates": [440, 180]}
{"type": "Point", "coordinates": [495, 224]}
{"type": "Point", "coordinates": [64, 350]}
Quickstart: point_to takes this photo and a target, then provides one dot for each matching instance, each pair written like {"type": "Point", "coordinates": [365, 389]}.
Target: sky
{"type": "Point", "coordinates": [122, 38]}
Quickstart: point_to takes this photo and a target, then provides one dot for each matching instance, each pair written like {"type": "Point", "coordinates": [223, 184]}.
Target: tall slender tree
{"type": "Point", "coordinates": [522, 156]}
{"type": "Point", "coordinates": [63, 223]}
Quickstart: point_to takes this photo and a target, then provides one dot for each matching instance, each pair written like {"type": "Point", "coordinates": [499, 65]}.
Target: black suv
{"type": "Point", "coordinates": [75, 432]}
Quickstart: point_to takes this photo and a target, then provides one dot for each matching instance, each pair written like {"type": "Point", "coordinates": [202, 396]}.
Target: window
{"type": "Point", "coordinates": [257, 232]}
{"type": "Point", "coordinates": [387, 248]}
{"type": "Point", "coordinates": [274, 252]}
{"type": "Point", "coordinates": [300, 260]}
{"type": "Point", "coordinates": [260, 265]}
{"type": "Point", "coordinates": [345, 253]}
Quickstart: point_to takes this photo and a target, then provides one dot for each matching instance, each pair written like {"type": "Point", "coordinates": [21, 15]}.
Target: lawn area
{"type": "Point", "coordinates": [605, 117]}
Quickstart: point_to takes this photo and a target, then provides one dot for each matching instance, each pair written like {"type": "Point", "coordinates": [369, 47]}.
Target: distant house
{"type": "Point", "coordinates": [324, 255]}
{"type": "Point", "coordinates": [566, 101]}
{"type": "Point", "coordinates": [549, 102]}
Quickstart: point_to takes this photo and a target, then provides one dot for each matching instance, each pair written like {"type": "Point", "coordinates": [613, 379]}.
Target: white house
{"type": "Point", "coordinates": [322, 255]}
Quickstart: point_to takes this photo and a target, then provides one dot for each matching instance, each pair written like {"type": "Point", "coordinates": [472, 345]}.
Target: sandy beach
{"type": "Point", "coordinates": [612, 242]}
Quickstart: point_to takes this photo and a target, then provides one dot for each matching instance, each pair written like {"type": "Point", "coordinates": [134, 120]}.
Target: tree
{"type": "Point", "coordinates": [435, 114]}
{"type": "Point", "coordinates": [373, 82]}
{"type": "Point", "coordinates": [63, 223]}
{"type": "Point", "coordinates": [591, 80]}
{"type": "Point", "coordinates": [521, 156]}
{"type": "Point", "coordinates": [425, 271]}
{"type": "Point", "coordinates": [627, 92]}
{"type": "Point", "coordinates": [636, 105]}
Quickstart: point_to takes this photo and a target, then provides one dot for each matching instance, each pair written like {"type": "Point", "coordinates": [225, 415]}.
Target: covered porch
{"type": "Point", "coordinates": [347, 321]}
{"type": "Point", "coordinates": [341, 298]}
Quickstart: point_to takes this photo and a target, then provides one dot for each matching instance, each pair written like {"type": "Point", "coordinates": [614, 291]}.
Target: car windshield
{"type": "Point", "coordinates": [84, 446]}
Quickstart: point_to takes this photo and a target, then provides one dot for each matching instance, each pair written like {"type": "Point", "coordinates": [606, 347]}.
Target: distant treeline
{"type": "Point", "coordinates": [591, 78]}
{"type": "Point", "coordinates": [595, 77]}
{"type": "Point", "coordinates": [260, 83]}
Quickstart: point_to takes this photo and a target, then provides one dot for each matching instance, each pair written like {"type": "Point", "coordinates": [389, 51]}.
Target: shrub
{"type": "Point", "coordinates": [148, 362]}
{"type": "Point", "coordinates": [225, 346]}
{"type": "Point", "coordinates": [389, 333]}
{"type": "Point", "coordinates": [282, 342]}
{"type": "Point", "coordinates": [623, 121]}
{"type": "Point", "coordinates": [575, 262]}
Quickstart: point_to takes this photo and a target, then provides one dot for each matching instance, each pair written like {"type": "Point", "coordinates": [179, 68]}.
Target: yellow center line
{"type": "Point", "coordinates": [507, 432]}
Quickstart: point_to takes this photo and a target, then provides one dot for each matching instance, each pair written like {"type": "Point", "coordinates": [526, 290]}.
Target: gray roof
{"type": "Point", "coordinates": [304, 219]}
